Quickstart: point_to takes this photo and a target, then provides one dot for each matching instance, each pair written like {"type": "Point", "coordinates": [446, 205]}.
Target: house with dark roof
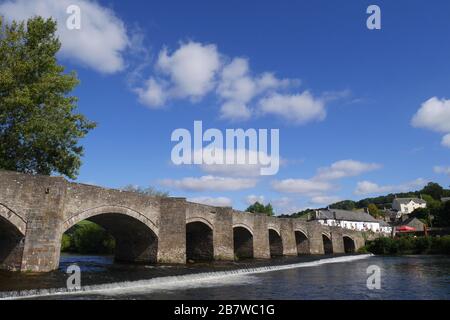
{"type": "Point", "coordinates": [410, 222]}
{"type": "Point", "coordinates": [354, 220]}
{"type": "Point", "coordinates": [408, 205]}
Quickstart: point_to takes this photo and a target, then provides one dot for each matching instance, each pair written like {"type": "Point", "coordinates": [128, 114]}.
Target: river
{"type": "Point", "coordinates": [308, 277]}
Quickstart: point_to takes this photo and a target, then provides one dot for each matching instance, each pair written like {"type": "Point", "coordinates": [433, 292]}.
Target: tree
{"type": "Point", "coordinates": [344, 205]}
{"type": "Point", "coordinates": [39, 130]}
{"type": "Point", "coordinates": [304, 214]}
{"type": "Point", "coordinates": [433, 189]}
{"type": "Point", "coordinates": [442, 217]}
{"type": "Point", "coordinates": [373, 210]}
{"type": "Point", "coordinates": [149, 191]}
{"type": "Point", "coordinates": [432, 204]}
{"type": "Point", "coordinates": [423, 214]}
{"type": "Point", "coordinates": [260, 208]}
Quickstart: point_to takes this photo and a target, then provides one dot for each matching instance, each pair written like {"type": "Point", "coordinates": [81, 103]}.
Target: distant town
{"type": "Point", "coordinates": [414, 213]}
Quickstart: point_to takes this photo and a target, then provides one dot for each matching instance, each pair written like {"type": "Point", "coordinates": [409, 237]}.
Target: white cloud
{"type": "Point", "coordinates": [301, 186]}
{"type": "Point", "coordinates": [238, 88]}
{"type": "Point", "coordinates": [442, 170]}
{"type": "Point", "coordinates": [345, 168]}
{"type": "Point", "coordinates": [100, 42]}
{"type": "Point", "coordinates": [192, 69]}
{"type": "Point", "coordinates": [195, 70]}
{"type": "Point", "coordinates": [235, 111]}
{"type": "Point", "coordinates": [367, 187]}
{"type": "Point", "coordinates": [152, 95]}
{"type": "Point", "coordinates": [236, 84]}
{"type": "Point", "coordinates": [298, 108]}
{"type": "Point", "coordinates": [434, 114]}
{"type": "Point", "coordinates": [189, 72]}
{"type": "Point", "coordinates": [210, 183]}
{"type": "Point", "coordinates": [251, 199]}
{"type": "Point", "coordinates": [320, 183]}
{"type": "Point", "coordinates": [325, 200]}
{"type": "Point", "coordinates": [446, 140]}
{"type": "Point", "coordinates": [211, 201]}
{"type": "Point", "coordinates": [241, 156]}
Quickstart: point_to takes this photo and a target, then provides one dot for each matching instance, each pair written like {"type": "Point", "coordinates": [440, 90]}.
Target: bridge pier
{"type": "Point", "coordinates": [43, 232]}
{"type": "Point", "coordinates": [261, 246]}
{"type": "Point", "coordinates": [223, 235]}
{"type": "Point", "coordinates": [315, 238]}
{"type": "Point", "coordinates": [337, 240]}
{"type": "Point", "coordinates": [172, 231]}
{"type": "Point", "coordinates": [288, 237]}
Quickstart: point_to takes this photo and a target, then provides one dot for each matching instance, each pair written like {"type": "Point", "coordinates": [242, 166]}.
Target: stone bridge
{"type": "Point", "coordinates": [35, 211]}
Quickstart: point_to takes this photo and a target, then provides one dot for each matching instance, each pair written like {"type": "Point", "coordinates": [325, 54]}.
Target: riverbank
{"type": "Point", "coordinates": [407, 245]}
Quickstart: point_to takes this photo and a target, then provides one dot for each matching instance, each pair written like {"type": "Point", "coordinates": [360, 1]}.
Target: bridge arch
{"type": "Point", "coordinates": [199, 240]}
{"type": "Point", "coordinates": [302, 242]}
{"type": "Point", "coordinates": [202, 220]}
{"type": "Point", "coordinates": [327, 243]}
{"type": "Point", "coordinates": [349, 244]}
{"type": "Point", "coordinates": [12, 236]}
{"type": "Point", "coordinates": [13, 218]}
{"type": "Point", "coordinates": [242, 241]}
{"type": "Point", "coordinates": [136, 236]}
{"type": "Point", "coordinates": [92, 212]}
{"type": "Point", "coordinates": [245, 226]}
{"type": "Point", "coordinates": [275, 243]}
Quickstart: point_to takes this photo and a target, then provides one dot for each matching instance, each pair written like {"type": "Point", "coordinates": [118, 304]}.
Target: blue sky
{"type": "Point", "coordinates": [363, 112]}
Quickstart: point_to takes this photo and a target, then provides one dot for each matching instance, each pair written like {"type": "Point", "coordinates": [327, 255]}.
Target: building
{"type": "Point", "coordinates": [385, 227]}
{"type": "Point", "coordinates": [391, 215]}
{"type": "Point", "coordinates": [413, 223]}
{"type": "Point", "coordinates": [445, 199]}
{"type": "Point", "coordinates": [408, 205]}
{"type": "Point", "coordinates": [353, 220]}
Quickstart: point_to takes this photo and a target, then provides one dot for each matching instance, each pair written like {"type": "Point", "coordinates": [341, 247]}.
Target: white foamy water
{"type": "Point", "coordinates": [207, 279]}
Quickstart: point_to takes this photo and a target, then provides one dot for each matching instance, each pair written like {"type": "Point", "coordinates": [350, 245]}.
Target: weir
{"type": "Point", "coordinates": [35, 211]}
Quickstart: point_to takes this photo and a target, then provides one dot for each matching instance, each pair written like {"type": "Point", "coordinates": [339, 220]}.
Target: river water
{"type": "Point", "coordinates": [309, 277]}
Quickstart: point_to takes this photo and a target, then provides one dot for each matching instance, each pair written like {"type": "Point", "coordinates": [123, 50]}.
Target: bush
{"type": "Point", "coordinates": [409, 245]}
{"type": "Point", "coordinates": [423, 244]}
{"type": "Point", "coordinates": [441, 245]}
{"type": "Point", "coordinates": [66, 243]}
{"type": "Point", "coordinates": [363, 250]}
{"type": "Point", "coordinates": [87, 238]}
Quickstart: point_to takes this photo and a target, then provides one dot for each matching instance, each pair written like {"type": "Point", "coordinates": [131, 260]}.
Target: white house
{"type": "Point", "coordinates": [408, 205]}
{"type": "Point", "coordinates": [385, 227]}
{"type": "Point", "coordinates": [359, 221]}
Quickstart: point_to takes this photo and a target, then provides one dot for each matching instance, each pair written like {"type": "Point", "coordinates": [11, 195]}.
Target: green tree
{"type": "Point", "coordinates": [39, 129]}
{"type": "Point", "coordinates": [304, 214]}
{"type": "Point", "coordinates": [374, 211]}
{"type": "Point", "coordinates": [90, 238]}
{"type": "Point", "coordinates": [432, 204]}
{"type": "Point", "coordinates": [423, 214]}
{"type": "Point", "coordinates": [344, 205]}
{"type": "Point", "coordinates": [442, 217]}
{"type": "Point", "coordinates": [433, 189]}
{"type": "Point", "coordinates": [260, 208]}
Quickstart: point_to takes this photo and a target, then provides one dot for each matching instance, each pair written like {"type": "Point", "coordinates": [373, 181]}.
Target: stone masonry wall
{"type": "Point", "coordinates": [42, 208]}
